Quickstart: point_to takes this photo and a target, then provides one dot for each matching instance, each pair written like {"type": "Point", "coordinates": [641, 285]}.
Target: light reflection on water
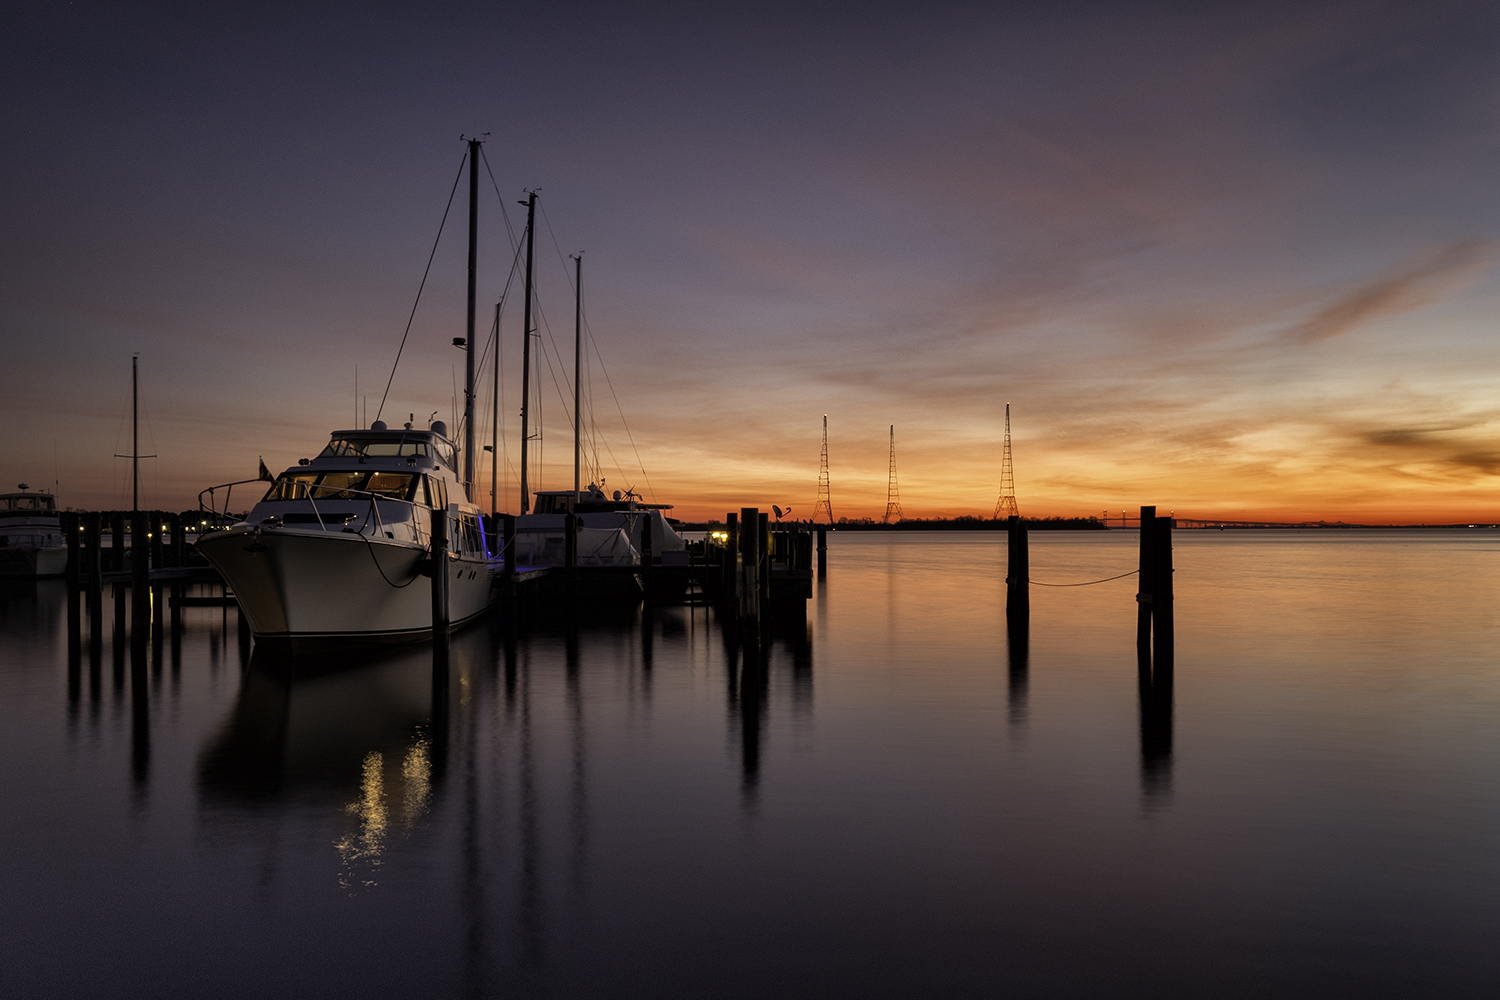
{"type": "Point", "coordinates": [892, 796]}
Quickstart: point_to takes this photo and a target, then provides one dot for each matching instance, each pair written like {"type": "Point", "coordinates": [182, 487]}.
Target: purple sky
{"type": "Point", "coordinates": [1232, 258]}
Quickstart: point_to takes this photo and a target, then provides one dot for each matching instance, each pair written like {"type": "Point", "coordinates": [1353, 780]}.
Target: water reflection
{"type": "Point", "coordinates": [1154, 675]}
{"type": "Point", "coordinates": [1018, 649]}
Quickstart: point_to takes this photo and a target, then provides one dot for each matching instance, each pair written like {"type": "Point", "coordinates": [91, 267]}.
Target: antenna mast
{"type": "Point", "coordinates": [825, 502]}
{"type": "Point", "coordinates": [135, 455]}
{"type": "Point", "coordinates": [1005, 504]}
{"type": "Point", "coordinates": [530, 204]}
{"type": "Point", "coordinates": [892, 494]}
{"type": "Point", "coordinates": [469, 329]}
{"type": "Point", "coordinates": [577, 369]}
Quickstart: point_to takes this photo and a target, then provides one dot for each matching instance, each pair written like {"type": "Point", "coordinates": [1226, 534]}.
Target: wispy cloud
{"type": "Point", "coordinates": [1417, 283]}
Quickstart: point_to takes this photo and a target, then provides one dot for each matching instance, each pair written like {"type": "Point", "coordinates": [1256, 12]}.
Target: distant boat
{"type": "Point", "coordinates": [338, 549]}
{"type": "Point", "coordinates": [31, 535]}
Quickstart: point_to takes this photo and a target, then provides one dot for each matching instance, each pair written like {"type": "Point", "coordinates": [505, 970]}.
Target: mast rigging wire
{"type": "Point", "coordinates": [642, 465]}
{"type": "Point", "coordinates": [425, 272]}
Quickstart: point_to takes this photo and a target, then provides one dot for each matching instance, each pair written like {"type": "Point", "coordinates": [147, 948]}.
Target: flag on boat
{"type": "Point", "coordinates": [265, 473]}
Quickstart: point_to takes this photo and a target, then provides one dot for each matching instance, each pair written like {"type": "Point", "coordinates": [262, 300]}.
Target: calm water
{"type": "Point", "coordinates": [894, 806]}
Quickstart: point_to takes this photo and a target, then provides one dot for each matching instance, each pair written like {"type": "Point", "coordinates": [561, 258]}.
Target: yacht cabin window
{"type": "Point", "coordinates": [344, 486]}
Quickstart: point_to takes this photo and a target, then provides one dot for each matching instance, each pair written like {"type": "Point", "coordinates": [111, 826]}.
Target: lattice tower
{"type": "Point", "coordinates": [825, 501]}
{"type": "Point", "coordinates": [1005, 504]}
{"type": "Point", "coordinates": [892, 494]}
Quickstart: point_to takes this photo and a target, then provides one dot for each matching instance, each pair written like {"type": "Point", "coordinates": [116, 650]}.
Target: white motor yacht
{"type": "Point", "coordinates": [338, 549]}
{"type": "Point", "coordinates": [31, 536]}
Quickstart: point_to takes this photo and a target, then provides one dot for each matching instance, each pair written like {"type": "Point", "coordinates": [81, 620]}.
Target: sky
{"type": "Point", "coordinates": [1234, 259]}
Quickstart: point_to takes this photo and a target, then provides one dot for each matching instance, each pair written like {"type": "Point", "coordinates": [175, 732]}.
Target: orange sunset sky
{"type": "Point", "coordinates": [1233, 260]}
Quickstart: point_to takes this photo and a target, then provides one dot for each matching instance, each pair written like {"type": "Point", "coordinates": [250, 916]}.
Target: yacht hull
{"type": "Point", "coordinates": [32, 561]}
{"type": "Point", "coordinates": [312, 589]}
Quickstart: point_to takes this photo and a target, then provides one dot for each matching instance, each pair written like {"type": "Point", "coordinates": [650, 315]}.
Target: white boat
{"type": "Point", "coordinates": [338, 549]}
{"type": "Point", "coordinates": [610, 530]}
{"type": "Point", "coordinates": [31, 536]}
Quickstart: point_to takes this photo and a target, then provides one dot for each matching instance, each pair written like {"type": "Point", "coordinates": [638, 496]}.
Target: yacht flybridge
{"type": "Point", "coordinates": [336, 548]}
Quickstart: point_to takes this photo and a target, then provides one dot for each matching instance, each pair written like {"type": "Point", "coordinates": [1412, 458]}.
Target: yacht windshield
{"type": "Point", "coordinates": [343, 486]}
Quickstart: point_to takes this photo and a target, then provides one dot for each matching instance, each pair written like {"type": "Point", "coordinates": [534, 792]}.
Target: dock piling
{"type": "Point", "coordinates": [440, 576]}
{"type": "Point", "coordinates": [140, 576]}
{"type": "Point", "coordinates": [749, 563]}
{"type": "Point", "coordinates": [822, 551]}
{"type": "Point", "coordinates": [1017, 570]}
{"type": "Point", "coordinates": [731, 556]}
{"type": "Point", "coordinates": [508, 582]}
{"type": "Point", "coordinates": [763, 559]}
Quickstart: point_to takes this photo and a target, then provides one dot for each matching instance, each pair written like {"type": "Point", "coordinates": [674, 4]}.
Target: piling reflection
{"type": "Point", "coordinates": [1018, 649]}
{"type": "Point", "coordinates": [1154, 673]}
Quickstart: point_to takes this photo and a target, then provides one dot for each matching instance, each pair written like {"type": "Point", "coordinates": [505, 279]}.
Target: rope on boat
{"type": "Point", "coordinates": [381, 408]}
{"type": "Point", "coordinates": [1087, 583]}
{"type": "Point", "coordinates": [381, 570]}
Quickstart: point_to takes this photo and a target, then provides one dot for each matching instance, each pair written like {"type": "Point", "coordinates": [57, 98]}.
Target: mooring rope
{"type": "Point", "coordinates": [1088, 583]}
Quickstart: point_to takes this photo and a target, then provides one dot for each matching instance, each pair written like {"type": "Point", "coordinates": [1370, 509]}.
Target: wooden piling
{"type": "Point", "coordinates": [140, 576]}
{"type": "Point", "coordinates": [179, 541]}
{"type": "Point", "coordinates": [440, 571]}
{"type": "Point", "coordinates": [155, 536]}
{"type": "Point", "coordinates": [1146, 579]}
{"type": "Point", "coordinates": [1017, 569]}
{"type": "Point", "coordinates": [570, 541]}
{"type": "Point", "coordinates": [763, 559]}
{"type": "Point", "coordinates": [93, 574]}
{"type": "Point", "coordinates": [822, 550]}
{"type": "Point", "coordinates": [1161, 603]}
{"type": "Point", "coordinates": [117, 543]}
{"type": "Point", "coordinates": [749, 562]}
{"type": "Point", "coordinates": [731, 557]}
{"type": "Point", "coordinates": [647, 557]}
{"type": "Point", "coordinates": [1154, 624]}
{"type": "Point", "coordinates": [508, 581]}
{"type": "Point", "coordinates": [70, 526]}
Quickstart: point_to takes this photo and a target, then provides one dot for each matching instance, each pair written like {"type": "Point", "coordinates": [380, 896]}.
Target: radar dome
{"type": "Point", "coordinates": [438, 427]}
{"type": "Point", "coordinates": [378, 425]}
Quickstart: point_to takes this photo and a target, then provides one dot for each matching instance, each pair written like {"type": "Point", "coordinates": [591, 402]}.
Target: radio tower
{"type": "Point", "coordinates": [1005, 504]}
{"type": "Point", "coordinates": [825, 503]}
{"type": "Point", "coordinates": [892, 495]}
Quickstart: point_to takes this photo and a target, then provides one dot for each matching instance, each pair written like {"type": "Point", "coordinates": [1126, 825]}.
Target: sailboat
{"type": "Point", "coordinates": [611, 528]}
{"type": "Point", "coordinates": [339, 549]}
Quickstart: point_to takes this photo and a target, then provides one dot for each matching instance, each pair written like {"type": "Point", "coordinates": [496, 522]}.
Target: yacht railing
{"type": "Point", "coordinates": [423, 529]}
{"type": "Point", "coordinates": [223, 518]}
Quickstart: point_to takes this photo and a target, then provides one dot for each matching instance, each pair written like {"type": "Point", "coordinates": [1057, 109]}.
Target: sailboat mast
{"type": "Point", "coordinates": [530, 204]}
{"type": "Point", "coordinates": [577, 369]}
{"type": "Point", "coordinates": [135, 434]}
{"type": "Point", "coordinates": [469, 342]}
{"type": "Point", "coordinates": [495, 422]}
